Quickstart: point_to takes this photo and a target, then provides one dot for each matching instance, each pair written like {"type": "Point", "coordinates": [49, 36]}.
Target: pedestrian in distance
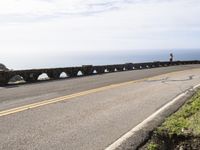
{"type": "Point", "coordinates": [171, 57]}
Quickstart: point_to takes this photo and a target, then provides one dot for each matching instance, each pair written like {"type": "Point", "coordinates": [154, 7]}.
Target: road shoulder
{"type": "Point", "coordinates": [139, 134]}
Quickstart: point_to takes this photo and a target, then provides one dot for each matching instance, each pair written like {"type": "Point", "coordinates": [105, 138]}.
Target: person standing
{"type": "Point", "coordinates": [171, 57]}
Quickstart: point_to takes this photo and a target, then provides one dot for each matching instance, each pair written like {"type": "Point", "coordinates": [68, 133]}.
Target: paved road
{"type": "Point", "coordinates": [87, 120]}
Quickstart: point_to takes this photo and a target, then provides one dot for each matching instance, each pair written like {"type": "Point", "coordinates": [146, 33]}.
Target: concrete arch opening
{"type": "Point", "coordinates": [63, 75]}
{"type": "Point", "coordinates": [79, 73]}
{"type": "Point", "coordinates": [16, 79]}
{"type": "Point", "coordinates": [43, 76]}
{"type": "Point", "coordinates": [94, 72]}
{"type": "Point", "coordinates": [147, 66]}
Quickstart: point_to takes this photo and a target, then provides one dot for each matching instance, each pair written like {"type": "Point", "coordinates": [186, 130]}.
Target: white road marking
{"type": "Point", "coordinates": [140, 126]}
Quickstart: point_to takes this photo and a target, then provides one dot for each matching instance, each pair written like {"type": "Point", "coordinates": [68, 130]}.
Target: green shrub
{"type": "Point", "coordinates": [152, 146]}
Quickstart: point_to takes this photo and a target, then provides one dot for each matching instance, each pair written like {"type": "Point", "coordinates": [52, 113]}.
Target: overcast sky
{"type": "Point", "coordinates": [38, 32]}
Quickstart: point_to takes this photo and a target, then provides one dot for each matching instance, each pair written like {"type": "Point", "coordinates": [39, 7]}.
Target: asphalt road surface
{"type": "Point", "coordinates": [86, 113]}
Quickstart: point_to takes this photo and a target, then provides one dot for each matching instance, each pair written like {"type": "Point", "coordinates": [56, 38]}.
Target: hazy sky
{"type": "Point", "coordinates": [37, 33]}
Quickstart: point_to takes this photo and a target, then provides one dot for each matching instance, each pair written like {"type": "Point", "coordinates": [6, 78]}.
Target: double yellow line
{"type": "Point", "coordinates": [67, 97]}
{"type": "Point", "coordinates": [63, 98]}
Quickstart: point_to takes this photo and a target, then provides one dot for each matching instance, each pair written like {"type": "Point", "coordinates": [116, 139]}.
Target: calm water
{"type": "Point", "coordinates": [63, 60]}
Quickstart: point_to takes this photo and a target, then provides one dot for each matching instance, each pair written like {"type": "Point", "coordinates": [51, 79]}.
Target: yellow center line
{"type": "Point", "coordinates": [75, 95]}
{"type": "Point", "coordinates": [63, 98]}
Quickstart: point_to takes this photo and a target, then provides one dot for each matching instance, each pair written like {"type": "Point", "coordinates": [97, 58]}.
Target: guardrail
{"type": "Point", "coordinates": [55, 73]}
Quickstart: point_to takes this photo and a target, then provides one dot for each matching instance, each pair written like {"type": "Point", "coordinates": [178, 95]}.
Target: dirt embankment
{"type": "Point", "coordinates": [181, 131]}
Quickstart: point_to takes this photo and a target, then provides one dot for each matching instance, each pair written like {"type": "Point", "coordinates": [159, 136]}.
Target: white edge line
{"type": "Point", "coordinates": [129, 134]}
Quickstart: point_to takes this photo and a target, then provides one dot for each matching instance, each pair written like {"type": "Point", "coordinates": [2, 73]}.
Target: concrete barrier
{"type": "Point", "coordinates": [54, 73]}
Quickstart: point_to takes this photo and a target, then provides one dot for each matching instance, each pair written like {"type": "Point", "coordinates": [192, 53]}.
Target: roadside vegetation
{"type": "Point", "coordinates": [181, 131]}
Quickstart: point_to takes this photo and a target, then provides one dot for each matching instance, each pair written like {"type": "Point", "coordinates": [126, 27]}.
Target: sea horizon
{"type": "Point", "coordinates": [90, 58]}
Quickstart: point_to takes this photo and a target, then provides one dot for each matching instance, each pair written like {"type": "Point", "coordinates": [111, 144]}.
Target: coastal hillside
{"type": "Point", "coordinates": [3, 67]}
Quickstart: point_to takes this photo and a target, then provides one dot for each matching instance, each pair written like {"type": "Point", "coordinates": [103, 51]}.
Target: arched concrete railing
{"type": "Point", "coordinates": [55, 73]}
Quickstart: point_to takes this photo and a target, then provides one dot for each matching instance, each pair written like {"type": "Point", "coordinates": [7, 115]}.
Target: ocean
{"type": "Point", "coordinates": [98, 58]}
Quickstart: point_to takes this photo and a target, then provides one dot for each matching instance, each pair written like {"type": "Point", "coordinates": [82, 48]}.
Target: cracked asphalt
{"type": "Point", "coordinates": [91, 121]}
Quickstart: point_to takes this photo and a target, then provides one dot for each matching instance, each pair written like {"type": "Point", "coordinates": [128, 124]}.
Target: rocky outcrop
{"type": "Point", "coordinates": [3, 67]}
